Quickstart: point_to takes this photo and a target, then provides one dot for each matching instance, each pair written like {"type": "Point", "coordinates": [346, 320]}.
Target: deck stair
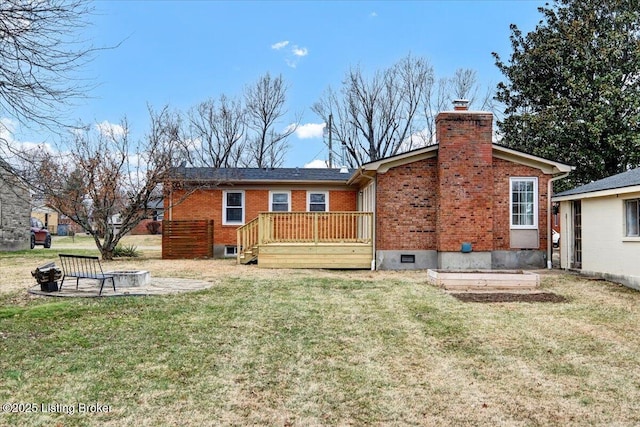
{"type": "Point", "coordinates": [247, 238]}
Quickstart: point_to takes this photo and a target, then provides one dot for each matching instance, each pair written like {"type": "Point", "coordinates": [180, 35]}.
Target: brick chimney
{"type": "Point", "coordinates": [465, 180]}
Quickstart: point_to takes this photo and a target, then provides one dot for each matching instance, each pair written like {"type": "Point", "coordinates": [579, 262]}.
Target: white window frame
{"type": "Point", "coordinates": [626, 219]}
{"type": "Point", "coordinates": [534, 180]}
{"type": "Point", "coordinates": [224, 207]}
{"type": "Point", "coordinates": [272, 193]}
{"type": "Point", "coordinates": [326, 200]}
{"type": "Point", "coordinates": [230, 251]}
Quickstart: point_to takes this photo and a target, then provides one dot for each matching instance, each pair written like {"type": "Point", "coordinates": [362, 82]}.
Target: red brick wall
{"type": "Point", "coordinates": [503, 170]}
{"type": "Point", "coordinates": [465, 181]}
{"type": "Point", "coordinates": [207, 204]}
{"type": "Point", "coordinates": [406, 207]}
{"type": "Point", "coordinates": [462, 196]}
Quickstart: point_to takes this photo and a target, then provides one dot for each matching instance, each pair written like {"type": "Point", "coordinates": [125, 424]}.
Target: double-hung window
{"type": "Point", "coordinates": [317, 201]}
{"type": "Point", "coordinates": [524, 203]}
{"type": "Point", "coordinates": [632, 217]}
{"type": "Point", "coordinates": [279, 201]}
{"type": "Point", "coordinates": [233, 207]}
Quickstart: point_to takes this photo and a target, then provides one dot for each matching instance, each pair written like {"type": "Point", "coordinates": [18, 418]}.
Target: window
{"type": "Point", "coordinates": [524, 203]}
{"type": "Point", "coordinates": [632, 217]}
{"type": "Point", "coordinates": [318, 201]}
{"type": "Point", "coordinates": [233, 207]}
{"type": "Point", "coordinates": [279, 201]}
{"type": "Point", "coordinates": [230, 251]}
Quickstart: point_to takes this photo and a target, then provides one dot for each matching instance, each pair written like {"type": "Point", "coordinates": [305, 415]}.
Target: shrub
{"type": "Point", "coordinates": [153, 227]}
{"type": "Point", "coordinates": [130, 251]}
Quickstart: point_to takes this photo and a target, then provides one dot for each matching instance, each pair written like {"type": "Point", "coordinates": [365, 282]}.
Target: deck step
{"type": "Point", "coordinates": [250, 255]}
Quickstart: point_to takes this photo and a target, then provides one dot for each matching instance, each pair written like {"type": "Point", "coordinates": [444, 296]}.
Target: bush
{"type": "Point", "coordinates": [153, 227]}
{"type": "Point", "coordinates": [130, 251]}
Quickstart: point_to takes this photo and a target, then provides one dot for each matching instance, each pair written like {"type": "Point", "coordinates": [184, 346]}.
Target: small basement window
{"type": "Point", "coordinates": [230, 251]}
{"type": "Point", "coordinates": [407, 259]}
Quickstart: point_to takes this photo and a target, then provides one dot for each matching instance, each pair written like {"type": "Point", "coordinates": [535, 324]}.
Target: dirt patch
{"type": "Point", "coordinates": [509, 297]}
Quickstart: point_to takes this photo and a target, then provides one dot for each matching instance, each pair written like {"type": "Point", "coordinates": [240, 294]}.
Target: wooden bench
{"type": "Point", "coordinates": [84, 267]}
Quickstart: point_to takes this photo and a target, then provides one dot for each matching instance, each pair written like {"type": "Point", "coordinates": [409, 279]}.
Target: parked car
{"type": "Point", "coordinates": [39, 234]}
{"type": "Point", "coordinates": [556, 238]}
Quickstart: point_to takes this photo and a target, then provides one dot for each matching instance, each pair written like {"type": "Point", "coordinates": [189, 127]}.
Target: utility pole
{"type": "Point", "coordinates": [330, 143]}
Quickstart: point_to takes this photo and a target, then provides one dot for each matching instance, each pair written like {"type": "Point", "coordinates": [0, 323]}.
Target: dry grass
{"type": "Point", "coordinates": [290, 347]}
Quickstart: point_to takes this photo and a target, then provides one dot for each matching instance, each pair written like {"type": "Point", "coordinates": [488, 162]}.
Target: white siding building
{"type": "Point", "coordinates": [600, 228]}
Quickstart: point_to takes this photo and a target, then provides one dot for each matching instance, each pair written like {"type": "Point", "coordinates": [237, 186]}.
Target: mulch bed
{"type": "Point", "coordinates": [509, 297]}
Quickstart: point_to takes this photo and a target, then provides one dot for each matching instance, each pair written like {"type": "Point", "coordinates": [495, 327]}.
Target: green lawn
{"type": "Point", "coordinates": [299, 350]}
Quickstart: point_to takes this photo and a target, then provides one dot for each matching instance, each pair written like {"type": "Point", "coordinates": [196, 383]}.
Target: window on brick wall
{"type": "Point", "coordinates": [524, 203]}
{"type": "Point", "coordinates": [317, 201]}
{"type": "Point", "coordinates": [279, 201]}
{"type": "Point", "coordinates": [233, 207]}
{"type": "Point", "coordinates": [632, 217]}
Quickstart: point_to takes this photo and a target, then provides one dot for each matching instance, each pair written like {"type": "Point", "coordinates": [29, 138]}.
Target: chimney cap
{"type": "Point", "coordinates": [460, 104]}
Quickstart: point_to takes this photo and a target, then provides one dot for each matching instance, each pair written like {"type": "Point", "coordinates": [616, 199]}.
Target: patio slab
{"type": "Point", "coordinates": [157, 286]}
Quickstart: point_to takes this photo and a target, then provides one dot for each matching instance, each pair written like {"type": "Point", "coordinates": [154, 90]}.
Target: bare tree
{"type": "Point", "coordinates": [265, 107]}
{"type": "Point", "coordinates": [377, 117]}
{"type": "Point", "coordinates": [104, 176]}
{"type": "Point", "coordinates": [214, 133]}
{"type": "Point", "coordinates": [462, 85]}
{"type": "Point", "coordinates": [40, 52]}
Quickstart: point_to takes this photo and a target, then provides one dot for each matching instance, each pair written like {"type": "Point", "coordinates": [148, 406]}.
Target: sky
{"type": "Point", "coordinates": [181, 53]}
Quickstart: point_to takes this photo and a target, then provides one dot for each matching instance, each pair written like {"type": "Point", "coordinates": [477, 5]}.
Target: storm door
{"type": "Point", "coordinates": [577, 234]}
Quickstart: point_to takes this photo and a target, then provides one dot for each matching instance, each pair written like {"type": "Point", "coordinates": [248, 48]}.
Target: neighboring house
{"type": "Point", "coordinates": [461, 203]}
{"type": "Point", "coordinates": [600, 224]}
{"type": "Point", "coordinates": [15, 208]}
{"type": "Point", "coordinates": [48, 216]}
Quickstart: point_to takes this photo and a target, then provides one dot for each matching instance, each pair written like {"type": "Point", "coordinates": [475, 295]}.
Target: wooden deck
{"type": "Point", "coordinates": [308, 240]}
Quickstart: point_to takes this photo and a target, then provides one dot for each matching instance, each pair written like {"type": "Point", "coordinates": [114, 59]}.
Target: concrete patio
{"type": "Point", "coordinates": [157, 286]}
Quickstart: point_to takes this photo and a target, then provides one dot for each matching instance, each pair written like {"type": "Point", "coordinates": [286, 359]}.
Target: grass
{"type": "Point", "coordinates": [325, 349]}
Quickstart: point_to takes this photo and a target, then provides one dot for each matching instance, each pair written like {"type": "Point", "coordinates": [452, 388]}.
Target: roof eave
{"type": "Point", "coordinates": [599, 193]}
{"type": "Point", "coordinates": [545, 165]}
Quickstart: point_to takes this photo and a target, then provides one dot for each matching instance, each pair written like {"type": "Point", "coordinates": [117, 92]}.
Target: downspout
{"type": "Point", "coordinates": [549, 227]}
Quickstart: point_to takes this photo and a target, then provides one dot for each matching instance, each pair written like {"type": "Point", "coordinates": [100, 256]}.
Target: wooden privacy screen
{"type": "Point", "coordinates": [187, 239]}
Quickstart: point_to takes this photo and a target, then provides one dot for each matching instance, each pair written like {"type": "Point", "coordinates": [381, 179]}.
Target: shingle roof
{"type": "Point", "coordinates": [262, 174]}
{"type": "Point", "coordinates": [625, 179]}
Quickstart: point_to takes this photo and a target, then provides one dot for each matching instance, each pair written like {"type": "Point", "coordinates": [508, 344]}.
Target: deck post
{"type": "Point", "coordinates": [238, 245]}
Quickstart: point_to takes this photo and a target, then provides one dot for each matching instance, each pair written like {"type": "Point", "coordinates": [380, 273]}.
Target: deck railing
{"type": "Point", "coordinates": [315, 227]}
{"type": "Point", "coordinates": [247, 237]}
{"type": "Point", "coordinates": [306, 227]}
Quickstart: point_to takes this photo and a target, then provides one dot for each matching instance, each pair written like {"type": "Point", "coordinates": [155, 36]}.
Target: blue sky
{"type": "Point", "coordinates": [182, 53]}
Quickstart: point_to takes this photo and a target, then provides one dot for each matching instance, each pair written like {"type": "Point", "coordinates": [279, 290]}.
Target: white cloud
{"type": "Point", "coordinates": [373, 14]}
{"type": "Point", "coordinates": [279, 45]}
{"type": "Point", "coordinates": [300, 51]}
{"type": "Point", "coordinates": [9, 145]}
{"type": "Point", "coordinates": [316, 164]}
{"type": "Point", "coordinates": [310, 130]}
{"type": "Point", "coordinates": [7, 127]}
{"type": "Point", "coordinates": [293, 54]}
{"type": "Point", "coordinates": [107, 128]}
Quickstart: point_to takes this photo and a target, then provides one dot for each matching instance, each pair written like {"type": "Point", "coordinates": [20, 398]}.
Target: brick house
{"type": "Point", "coordinates": [233, 196]}
{"type": "Point", "coordinates": [461, 203]}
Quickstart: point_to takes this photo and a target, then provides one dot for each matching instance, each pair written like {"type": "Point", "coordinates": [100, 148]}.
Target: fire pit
{"type": "Point", "coordinates": [130, 278]}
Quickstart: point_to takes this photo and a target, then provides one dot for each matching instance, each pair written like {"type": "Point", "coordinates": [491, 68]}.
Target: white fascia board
{"type": "Point", "coordinates": [547, 166]}
{"type": "Point", "coordinates": [601, 193]}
